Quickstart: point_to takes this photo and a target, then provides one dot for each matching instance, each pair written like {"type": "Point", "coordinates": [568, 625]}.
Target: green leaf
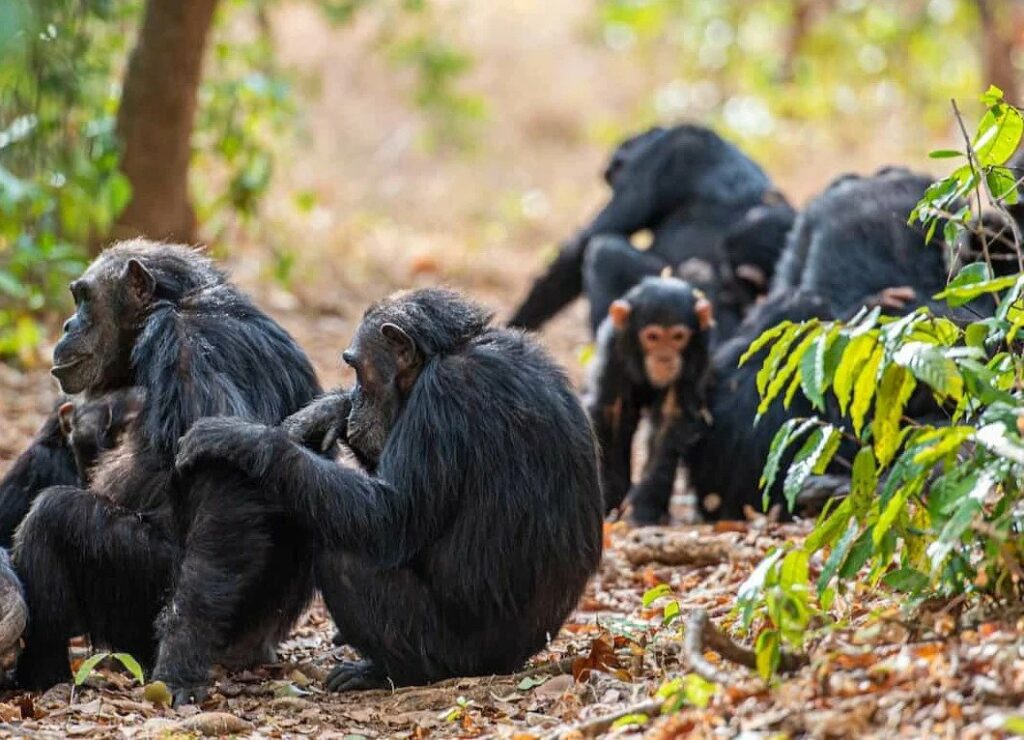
{"type": "Point", "coordinates": [999, 133]}
{"type": "Point", "coordinates": [794, 569]}
{"type": "Point", "coordinates": [768, 375]}
{"type": "Point", "coordinates": [945, 154]}
{"type": "Point", "coordinates": [893, 508]}
{"type": "Point", "coordinates": [788, 433]}
{"type": "Point", "coordinates": [863, 482]}
{"type": "Point", "coordinates": [929, 365]}
{"type": "Point", "coordinates": [768, 653]}
{"type": "Point", "coordinates": [838, 555]}
{"type": "Point", "coordinates": [653, 594]}
{"type": "Point", "coordinates": [907, 580]}
{"type": "Point", "coordinates": [1014, 724]}
{"type": "Point", "coordinates": [698, 690]}
{"type": "Point", "coordinates": [131, 665]}
{"type": "Point", "coordinates": [636, 719]}
{"type": "Point", "coordinates": [829, 526]}
{"type": "Point", "coordinates": [87, 667]}
{"type": "Point", "coordinates": [531, 682]}
{"type": "Point", "coordinates": [865, 387]}
{"type": "Point", "coordinates": [670, 613]}
{"type": "Point", "coordinates": [862, 548]}
{"type": "Point", "coordinates": [816, 452]}
{"type": "Point", "coordinates": [812, 370]}
{"type": "Point", "coordinates": [893, 393]}
{"type": "Point", "coordinates": [856, 353]}
{"type": "Point", "coordinates": [992, 97]}
{"type": "Point", "coordinates": [764, 339]}
{"type": "Point", "coordinates": [958, 295]}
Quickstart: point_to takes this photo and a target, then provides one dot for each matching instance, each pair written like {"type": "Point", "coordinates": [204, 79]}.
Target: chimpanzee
{"type": "Point", "coordinates": [686, 184]}
{"type": "Point", "coordinates": [652, 356]}
{"type": "Point", "coordinates": [851, 247]}
{"type": "Point", "coordinates": [93, 427]}
{"type": "Point", "coordinates": [102, 561]}
{"type": "Point", "coordinates": [467, 540]}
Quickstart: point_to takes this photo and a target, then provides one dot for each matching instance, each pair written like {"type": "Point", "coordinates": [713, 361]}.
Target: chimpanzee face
{"type": "Point", "coordinates": [663, 348]}
{"type": "Point", "coordinates": [659, 328]}
{"type": "Point", "coordinates": [386, 364]}
{"type": "Point", "coordinates": [91, 427]}
{"type": "Point", "coordinates": [94, 351]}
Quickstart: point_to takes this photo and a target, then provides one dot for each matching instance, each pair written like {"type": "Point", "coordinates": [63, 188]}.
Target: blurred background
{"type": "Point", "coordinates": [331, 151]}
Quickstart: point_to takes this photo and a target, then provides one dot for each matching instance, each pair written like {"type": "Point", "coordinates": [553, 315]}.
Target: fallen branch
{"type": "Point", "coordinates": [677, 548]}
{"type": "Point", "coordinates": [702, 634]}
{"type": "Point", "coordinates": [551, 668]}
{"type": "Point", "coordinates": [597, 725]}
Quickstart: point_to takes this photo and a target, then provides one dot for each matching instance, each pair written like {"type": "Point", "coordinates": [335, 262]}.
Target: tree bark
{"type": "Point", "coordinates": [1001, 27]}
{"type": "Point", "coordinates": [154, 122]}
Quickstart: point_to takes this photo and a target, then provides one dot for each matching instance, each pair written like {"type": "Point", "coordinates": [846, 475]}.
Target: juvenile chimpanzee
{"type": "Point", "coordinates": [686, 184]}
{"type": "Point", "coordinates": [93, 427]}
{"type": "Point", "coordinates": [102, 561]}
{"type": "Point", "coordinates": [468, 539]}
{"type": "Point", "coordinates": [652, 356]}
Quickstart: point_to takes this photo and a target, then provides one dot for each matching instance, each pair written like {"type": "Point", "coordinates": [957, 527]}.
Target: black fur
{"type": "Point", "coordinates": [621, 391]}
{"type": "Point", "coordinates": [686, 184]}
{"type": "Point", "coordinates": [103, 561]}
{"type": "Point", "coordinates": [848, 247]}
{"type": "Point", "coordinates": [471, 536]}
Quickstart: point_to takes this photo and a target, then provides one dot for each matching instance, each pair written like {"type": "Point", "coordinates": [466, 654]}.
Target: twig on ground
{"type": "Point", "coordinates": [597, 725]}
{"type": "Point", "coordinates": [702, 634]}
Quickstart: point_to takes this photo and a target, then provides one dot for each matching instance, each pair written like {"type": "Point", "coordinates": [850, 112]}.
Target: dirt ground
{"type": "Point", "coordinates": [390, 214]}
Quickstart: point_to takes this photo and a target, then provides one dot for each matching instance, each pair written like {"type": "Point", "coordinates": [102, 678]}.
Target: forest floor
{"type": "Point", "coordinates": [943, 671]}
{"type": "Point", "coordinates": [389, 214]}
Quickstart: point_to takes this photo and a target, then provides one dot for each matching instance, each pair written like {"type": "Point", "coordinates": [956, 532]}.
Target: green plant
{"type": "Point", "coordinates": [933, 509]}
{"type": "Point", "coordinates": [89, 665]}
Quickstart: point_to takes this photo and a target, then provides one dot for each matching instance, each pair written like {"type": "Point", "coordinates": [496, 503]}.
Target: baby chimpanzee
{"type": "Point", "coordinates": [95, 426]}
{"type": "Point", "coordinates": [652, 356]}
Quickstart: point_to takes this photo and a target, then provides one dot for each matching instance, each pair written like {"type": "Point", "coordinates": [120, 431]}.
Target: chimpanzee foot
{"type": "Point", "coordinates": [186, 694]}
{"type": "Point", "coordinates": [356, 675]}
{"type": "Point", "coordinates": [338, 639]}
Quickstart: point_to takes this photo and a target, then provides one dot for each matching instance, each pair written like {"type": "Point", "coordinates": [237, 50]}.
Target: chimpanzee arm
{"type": "Point", "coordinates": [650, 497]}
{"type": "Point", "coordinates": [342, 507]}
{"type": "Point", "coordinates": [629, 210]}
{"type": "Point", "coordinates": [47, 462]}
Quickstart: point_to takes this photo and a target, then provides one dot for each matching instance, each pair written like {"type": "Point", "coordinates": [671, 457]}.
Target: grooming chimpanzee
{"type": "Point", "coordinates": [850, 248]}
{"type": "Point", "coordinates": [652, 356]}
{"type": "Point", "coordinates": [93, 427]}
{"type": "Point", "coordinates": [686, 184]}
{"type": "Point", "coordinates": [471, 534]}
{"type": "Point", "coordinates": [102, 561]}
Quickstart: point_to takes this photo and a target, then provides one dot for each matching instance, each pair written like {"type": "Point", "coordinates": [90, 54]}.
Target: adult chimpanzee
{"type": "Point", "coordinates": [652, 356]}
{"type": "Point", "coordinates": [468, 539]}
{"type": "Point", "coordinates": [851, 247]}
{"type": "Point", "coordinates": [102, 561]}
{"type": "Point", "coordinates": [95, 426]}
{"type": "Point", "coordinates": [686, 184]}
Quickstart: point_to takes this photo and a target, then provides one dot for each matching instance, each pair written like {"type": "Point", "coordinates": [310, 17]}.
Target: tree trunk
{"type": "Point", "coordinates": [154, 122]}
{"type": "Point", "coordinates": [1001, 26]}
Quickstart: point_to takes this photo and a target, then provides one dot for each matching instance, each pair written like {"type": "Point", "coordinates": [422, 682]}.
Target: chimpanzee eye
{"type": "Point", "coordinates": [678, 335]}
{"type": "Point", "coordinates": [651, 334]}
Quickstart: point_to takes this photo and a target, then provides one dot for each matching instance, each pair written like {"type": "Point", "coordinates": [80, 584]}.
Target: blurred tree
{"type": "Point", "coordinates": [155, 119]}
{"type": "Point", "coordinates": [1002, 26]}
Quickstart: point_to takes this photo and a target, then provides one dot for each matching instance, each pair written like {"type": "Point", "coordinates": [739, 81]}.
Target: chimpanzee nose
{"type": "Point", "coordinates": [67, 325]}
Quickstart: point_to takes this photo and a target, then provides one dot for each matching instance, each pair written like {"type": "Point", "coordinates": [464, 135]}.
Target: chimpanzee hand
{"type": "Point", "coordinates": [895, 298]}
{"type": "Point", "coordinates": [252, 448]}
{"type": "Point", "coordinates": [321, 423]}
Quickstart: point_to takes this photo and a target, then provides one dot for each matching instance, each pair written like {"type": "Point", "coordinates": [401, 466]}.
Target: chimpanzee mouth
{"type": "Point", "coordinates": [69, 365]}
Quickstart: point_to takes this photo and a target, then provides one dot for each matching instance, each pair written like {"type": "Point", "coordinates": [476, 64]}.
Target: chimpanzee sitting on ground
{"type": "Point", "coordinates": [652, 356]}
{"type": "Point", "coordinates": [851, 247]}
{"type": "Point", "coordinates": [686, 184]}
{"type": "Point", "coordinates": [102, 561]}
{"type": "Point", "coordinates": [93, 427]}
{"type": "Point", "coordinates": [470, 536]}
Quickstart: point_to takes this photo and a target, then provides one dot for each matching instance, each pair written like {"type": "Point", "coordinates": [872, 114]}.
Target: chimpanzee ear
{"type": "Point", "coordinates": [705, 314]}
{"type": "Point", "coordinates": [139, 281]}
{"type": "Point", "coordinates": [619, 311]}
{"type": "Point", "coordinates": [401, 344]}
{"type": "Point", "coordinates": [64, 416]}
